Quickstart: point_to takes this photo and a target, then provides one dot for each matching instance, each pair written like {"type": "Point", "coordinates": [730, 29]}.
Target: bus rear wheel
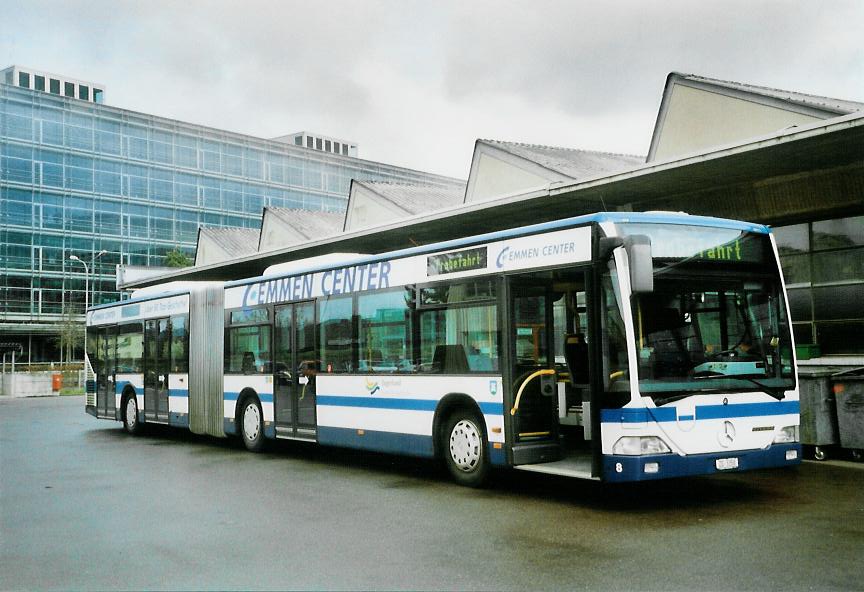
{"type": "Point", "coordinates": [130, 415]}
{"type": "Point", "coordinates": [464, 448]}
{"type": "Point", "coordinates": [252, 425]}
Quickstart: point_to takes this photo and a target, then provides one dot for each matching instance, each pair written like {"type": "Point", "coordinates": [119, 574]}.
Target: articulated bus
{"type": "Point", "coordinates": [615, 347]}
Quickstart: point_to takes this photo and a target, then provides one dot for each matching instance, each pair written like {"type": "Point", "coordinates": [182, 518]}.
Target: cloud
{"type": "Point", "coordinates": [415, 83]}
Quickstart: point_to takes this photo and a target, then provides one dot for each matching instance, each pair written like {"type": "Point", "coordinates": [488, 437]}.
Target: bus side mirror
{"type": "Point", "coordinates": [641, 263]}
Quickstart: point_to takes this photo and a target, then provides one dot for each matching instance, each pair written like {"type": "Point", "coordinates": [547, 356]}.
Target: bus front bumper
{"type": "Point", "coordinates": [617, 468]}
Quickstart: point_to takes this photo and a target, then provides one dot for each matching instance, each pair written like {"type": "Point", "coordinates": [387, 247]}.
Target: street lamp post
{"type": "Point", "coordinates": [93, 267]}
{"type": "Point", "coordinates": [86, 281]}
{"type": "Point", "coordinates": [86, 291]}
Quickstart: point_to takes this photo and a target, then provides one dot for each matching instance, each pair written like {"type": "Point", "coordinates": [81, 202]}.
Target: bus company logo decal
{"type": "Point", "coordinates": [726, 435]}
{"type": "Point", "coordinates": [493, 387]}
{"type": "Point", "coordinates": [372, 386]}
{"type": "Point", "coordinates": [519, 257]}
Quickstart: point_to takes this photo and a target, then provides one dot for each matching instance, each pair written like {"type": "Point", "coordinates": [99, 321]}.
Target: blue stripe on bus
{"type": "Point", "coordinates": [392, 442]}
{"type": "Point", "coordinates": [405, 444]}
{"type": "Point", "coordinates": [666, 414]}
{"type": "Point", "coordinates": [263, 397]}
{"type": "Point", "coordinates": [118, 389]}
{"type": "Point", "coordinates": [748, 410]}
{"type": "Point", "coordinates": [400, 404]}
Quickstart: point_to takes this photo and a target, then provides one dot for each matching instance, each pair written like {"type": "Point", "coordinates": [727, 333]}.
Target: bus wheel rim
{"type": "Point", "coordinates": [251, 422]}
{"type": "Point", "coordinates": [465, 445]}
{"type": "Point", "coordinates": [131, 412]}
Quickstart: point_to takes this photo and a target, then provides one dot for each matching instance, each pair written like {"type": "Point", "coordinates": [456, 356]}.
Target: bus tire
{"type": "Point", "coordinates": [131, 423]}
{"type": "Point", "coordinates": [252, 424]}
{"type": "Point", "coordinates": [464, 449]}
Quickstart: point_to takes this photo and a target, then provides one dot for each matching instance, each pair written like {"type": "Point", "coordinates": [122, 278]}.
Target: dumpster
{"type": "Point", "coordinates": [818, 411]}
{"type": "Point", "coordinates": [848, 390]}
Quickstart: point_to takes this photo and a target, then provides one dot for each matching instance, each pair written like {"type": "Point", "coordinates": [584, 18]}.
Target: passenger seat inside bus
{"type": "Point", "coordinates": [576, 357]}
{"type": "Point", "coordinates": [248, 364]}
{"type": "Point", "coordinates": [450, 359]}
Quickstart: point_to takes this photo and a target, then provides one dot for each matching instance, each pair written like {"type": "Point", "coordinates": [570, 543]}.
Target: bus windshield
{"type": "Point", "coordinates": [716, 320]}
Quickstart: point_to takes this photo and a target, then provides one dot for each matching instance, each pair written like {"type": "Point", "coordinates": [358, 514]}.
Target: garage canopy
{"type": "Point", "coordinates": [801, 173]}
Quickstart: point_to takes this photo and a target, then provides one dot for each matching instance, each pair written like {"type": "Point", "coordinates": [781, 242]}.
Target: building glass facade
{"type": "Point", "coordinates": [823, 263]}
{"type": "Point", "coordinates": [79, 178]}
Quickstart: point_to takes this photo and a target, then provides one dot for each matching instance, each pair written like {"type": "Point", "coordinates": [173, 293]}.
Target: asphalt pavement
{"type": "Point", "coordinates": [85, 506]}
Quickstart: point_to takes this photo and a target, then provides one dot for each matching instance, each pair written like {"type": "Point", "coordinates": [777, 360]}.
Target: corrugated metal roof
{"type": "Point", "coordinates": [417, 199]}
{"type": "Point", "coordinates": [572, 163]}
{"type": "Point", "coordinates": [838, 106]}
{"type": "Point", "coordinates": [237, 241]}
{"type": "Point", "coordinates": [310, 224]}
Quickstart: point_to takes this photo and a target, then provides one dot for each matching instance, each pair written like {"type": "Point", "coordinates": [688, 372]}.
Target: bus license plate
{"type": "Point", "coordinates": [724, 464]}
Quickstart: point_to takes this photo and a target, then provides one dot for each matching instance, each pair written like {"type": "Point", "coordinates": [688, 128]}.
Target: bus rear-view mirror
{"type": "Point", "coordinates": [641, 263]}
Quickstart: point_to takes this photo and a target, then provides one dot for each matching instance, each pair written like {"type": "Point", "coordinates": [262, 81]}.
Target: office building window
{"type": "Point", "coordinates": [345, 149]}
{"type": "Point", "coordinates": [69, 89]}
{"type": "Point", "coordinates": [318, 143]}
{"type": "Point", "coordinates": [97, 95]}
{"type": "Point", "coordinates": [40, 82]}
{"type": "Point", "coordinates": [24, 79]}
{"type": "Point", "coordinates": [83, 92]}
{"type": "Point", "coordinates": [823, 263]}
{"type": "Point", "coordinates": [309, 141]}
{"type": "Point", "coordinates": [54, 86]}
{"type": "Point", "coordinates": [327, 145]}
{"type": "Point", "coordinates": [298, 140]}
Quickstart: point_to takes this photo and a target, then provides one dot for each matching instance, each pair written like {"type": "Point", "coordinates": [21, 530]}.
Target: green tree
{"type": "Point", "coordinates": [177, 258]}
{"type": "Point", "coordinates": [70, 335]}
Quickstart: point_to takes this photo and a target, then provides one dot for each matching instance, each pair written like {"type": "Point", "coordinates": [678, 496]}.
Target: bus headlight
{"type": "Point", "coordinates": [639, 445]}
{"type": "Point", "coordinates": [787, 435]}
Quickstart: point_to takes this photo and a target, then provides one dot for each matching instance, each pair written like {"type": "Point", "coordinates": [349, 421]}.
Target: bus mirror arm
{"type": "Point", "coordinates": [606, 245]}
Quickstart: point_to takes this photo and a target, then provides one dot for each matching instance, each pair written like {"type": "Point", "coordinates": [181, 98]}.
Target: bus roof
{"type": "Point", "coordinates": [316, 264]}
{"type": "Point", "coordinates": [614, 217]}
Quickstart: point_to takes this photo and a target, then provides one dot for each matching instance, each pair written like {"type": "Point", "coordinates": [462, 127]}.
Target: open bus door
{"type": "Point", "coordinates": [550, 392]}
{"type": "Point", "coordinates": [532, 371]}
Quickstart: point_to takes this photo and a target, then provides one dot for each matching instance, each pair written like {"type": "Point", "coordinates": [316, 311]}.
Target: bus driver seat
{"type": "Point", "coordinates": [576, 356]}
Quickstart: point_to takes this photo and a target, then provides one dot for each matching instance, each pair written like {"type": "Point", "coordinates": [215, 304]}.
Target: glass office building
{"type": "Point", "coordinates": [79, 178]}
{"type": "Point", "coordinates": [823, 263]}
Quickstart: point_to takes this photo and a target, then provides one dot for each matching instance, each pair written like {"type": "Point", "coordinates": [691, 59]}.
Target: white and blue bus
{"type": "Point", "coordinates": [616, 347]}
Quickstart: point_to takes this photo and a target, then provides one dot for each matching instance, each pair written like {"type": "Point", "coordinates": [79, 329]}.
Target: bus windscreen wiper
{"type": "Point", "coordinates": [775, 393]}
{"type": "Point", "coordinates": [671, 399]}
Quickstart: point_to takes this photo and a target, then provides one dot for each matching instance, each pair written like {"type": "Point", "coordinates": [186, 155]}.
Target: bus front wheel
{"type": "Point", "coordinates": [130, 415]}
{"type": "Point", "coordinates": [252, 425]}
{"type": "Point", "coordinates": [464, 447]}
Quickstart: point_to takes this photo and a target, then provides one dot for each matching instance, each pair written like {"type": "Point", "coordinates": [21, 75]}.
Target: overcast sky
{"type": "Point", "coordinates": [415, 83]}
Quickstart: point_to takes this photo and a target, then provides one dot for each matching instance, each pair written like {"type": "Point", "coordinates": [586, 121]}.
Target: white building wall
{"type": "Point", "coordinates": [365, 209]}
{"type": "Point", "coordinates": [492, 177]}
{"type": "Point", "coordinates": [276, 233]}
{"type": "Point", "coordinates": [209, 251]}
{"type": "Point", "coordinates": [698, 119]}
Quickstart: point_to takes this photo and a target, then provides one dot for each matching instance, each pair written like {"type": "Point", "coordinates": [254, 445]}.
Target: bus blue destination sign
{"type": "Point", "coordinates": [466, 260]}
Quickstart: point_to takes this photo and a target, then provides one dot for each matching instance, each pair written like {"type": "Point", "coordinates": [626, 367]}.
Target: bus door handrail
{"type": "Point", "coordinates": [542, 372]}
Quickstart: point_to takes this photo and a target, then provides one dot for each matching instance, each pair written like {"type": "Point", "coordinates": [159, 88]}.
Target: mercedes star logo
{"type": "Point", "coordinates": [727, 434]}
